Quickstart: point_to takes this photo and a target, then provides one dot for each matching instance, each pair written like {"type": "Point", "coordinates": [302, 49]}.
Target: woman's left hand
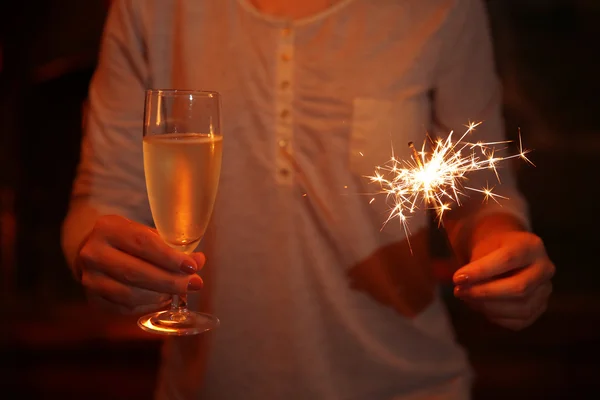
{"type": "Point", "coordinates": [508, 278]}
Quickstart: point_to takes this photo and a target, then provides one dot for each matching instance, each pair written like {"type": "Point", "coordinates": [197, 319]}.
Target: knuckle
{"type": "Point", "coordinates": [521, 290]}
{"type": "Point", "coordinates": [132, 276]}
{"type": "Point", "coordinates": [551, 270]}
{"type": "Point", "coordinates": [87, 262]}
{"type": "Point", "coordinates": [105, 222]}
{"type": "Point", "coordinates": [86, 280]}
{"type": "Point", "coordinates": [536, 242]}
{"type": "Point", "coordinates": [510, 257]}
{"type": "Point", "coordinates": [128, 298]}
{"type": "Point", "coordinates": [87, 254]}
{"type": "Point", "coordinates": [143, 242]}
{"type": "Point", "coordinates": [140, 239]}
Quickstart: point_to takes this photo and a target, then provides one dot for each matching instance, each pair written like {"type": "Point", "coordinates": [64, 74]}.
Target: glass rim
{"type": "Point", "coordinates": [183, 92]}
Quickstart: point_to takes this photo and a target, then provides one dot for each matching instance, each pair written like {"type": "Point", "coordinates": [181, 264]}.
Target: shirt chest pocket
{"type": "Point", "coordinates": [381, 127]}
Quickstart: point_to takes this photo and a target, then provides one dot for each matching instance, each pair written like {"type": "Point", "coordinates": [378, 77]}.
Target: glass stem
{"type": "Point", "coordinates": [179, 303]}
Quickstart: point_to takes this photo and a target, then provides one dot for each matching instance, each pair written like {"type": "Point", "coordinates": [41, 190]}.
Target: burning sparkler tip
{"type": "Point", "coordinates": [435, 178]}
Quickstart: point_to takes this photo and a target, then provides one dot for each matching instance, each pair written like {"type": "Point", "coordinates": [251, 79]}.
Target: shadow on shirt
{"type": "Point", "coordinates": [395, 278]}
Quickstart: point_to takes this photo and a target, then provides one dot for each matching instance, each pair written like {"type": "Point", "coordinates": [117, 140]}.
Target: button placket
{"type": "Point", "coordinates": [284, 107]}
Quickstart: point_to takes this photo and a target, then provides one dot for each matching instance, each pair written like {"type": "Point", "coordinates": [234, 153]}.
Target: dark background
{"type": "Point", "coordinates": [53, 346]}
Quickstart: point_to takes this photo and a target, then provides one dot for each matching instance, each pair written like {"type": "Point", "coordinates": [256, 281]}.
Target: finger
{"type": "Point", "coordinates": [516, 286]}
{"type": "Point", "coordinates": [118, 293]}
{"type": "Point", "coordinates": [515, 309]}
{"type": "Point", "coordinates": [143, 242]}
{"type": "Point", "coordinates": [135, 272]}
{"type": "Point", "coordinates": [500, 261]}
{"type": "Point", "coordinates": [519, 324]}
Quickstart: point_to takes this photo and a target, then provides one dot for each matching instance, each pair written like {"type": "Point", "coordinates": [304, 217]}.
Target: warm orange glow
{"type": "Point", "coordinates": [434, 179]}
{"type": "Point", "coordinates": [150, 327]}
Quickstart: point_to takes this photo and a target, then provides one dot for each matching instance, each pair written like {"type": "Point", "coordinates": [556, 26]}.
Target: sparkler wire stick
{"type": "Point", "coordinates": [441, 226]}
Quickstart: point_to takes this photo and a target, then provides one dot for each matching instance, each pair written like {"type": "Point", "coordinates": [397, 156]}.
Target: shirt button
{"type": "Point", "coordinates": [284, 172]}
{"type": "Point", "coordinates": [284, 113]}
{"type": "Point", "coordinates": [283, 143]}
{"type": "Point", "coordinates": [285, 84]}
{"type": "Point", "coordinates": [286, 57]}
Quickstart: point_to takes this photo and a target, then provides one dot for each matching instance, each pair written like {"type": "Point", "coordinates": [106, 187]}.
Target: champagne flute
{"type": "Point", "coordinates": [182, 163]}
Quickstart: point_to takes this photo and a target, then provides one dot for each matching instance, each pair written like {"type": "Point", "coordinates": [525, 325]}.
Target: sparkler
{"type": "Point", "coordinates": [436, 179]}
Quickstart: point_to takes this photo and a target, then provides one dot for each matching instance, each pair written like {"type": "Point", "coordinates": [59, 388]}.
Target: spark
{"type": "Point", "coordinates": [434, 179]}
{"type": "Point", "coordinates": [488, 194]}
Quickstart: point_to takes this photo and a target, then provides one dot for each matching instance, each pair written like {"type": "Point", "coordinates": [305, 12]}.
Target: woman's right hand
{"type": "Point", "coordinates": [126, 267]}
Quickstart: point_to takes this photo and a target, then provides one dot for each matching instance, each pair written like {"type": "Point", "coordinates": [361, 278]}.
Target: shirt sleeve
{"type": "Point", "coordinates": [110, 175]}
{"type": "Point", "coordinates": [467, 89]}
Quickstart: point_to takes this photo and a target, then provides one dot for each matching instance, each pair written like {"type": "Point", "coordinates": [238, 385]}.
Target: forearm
{"type": "Point", "coordinates": [487, 225]}
{"type": "Point", "coordinates": [492, 224]}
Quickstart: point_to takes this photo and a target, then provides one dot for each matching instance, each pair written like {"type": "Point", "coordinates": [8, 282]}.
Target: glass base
{"type": "Point", "coordinates": [178, 323]}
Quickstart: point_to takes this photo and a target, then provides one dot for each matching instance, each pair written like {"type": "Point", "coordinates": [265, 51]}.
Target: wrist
{"type": "Point", "coordinates": [494, 224]}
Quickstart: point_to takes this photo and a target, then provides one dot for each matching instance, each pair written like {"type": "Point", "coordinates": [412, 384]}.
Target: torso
{"type": "Point", "coordinates": [313, 97]}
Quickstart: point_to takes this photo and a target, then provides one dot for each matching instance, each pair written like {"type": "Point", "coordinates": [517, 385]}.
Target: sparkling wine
{"type": "Point", "coordinates": [182, 176]}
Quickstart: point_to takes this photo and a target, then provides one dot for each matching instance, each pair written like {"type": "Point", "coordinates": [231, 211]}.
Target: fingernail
{"type": "Point", "coordinates": [195, 283]}
{"type": "Point", "coordinates": [461, 279]}
{"type": "Point", "coordinates": [459, 291]}
{"type": "Point", "coordinates": [188, 267]}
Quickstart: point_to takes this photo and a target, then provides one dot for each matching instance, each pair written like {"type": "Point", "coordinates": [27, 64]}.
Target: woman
{"type": "Point", "coordinates": [316, 301]}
